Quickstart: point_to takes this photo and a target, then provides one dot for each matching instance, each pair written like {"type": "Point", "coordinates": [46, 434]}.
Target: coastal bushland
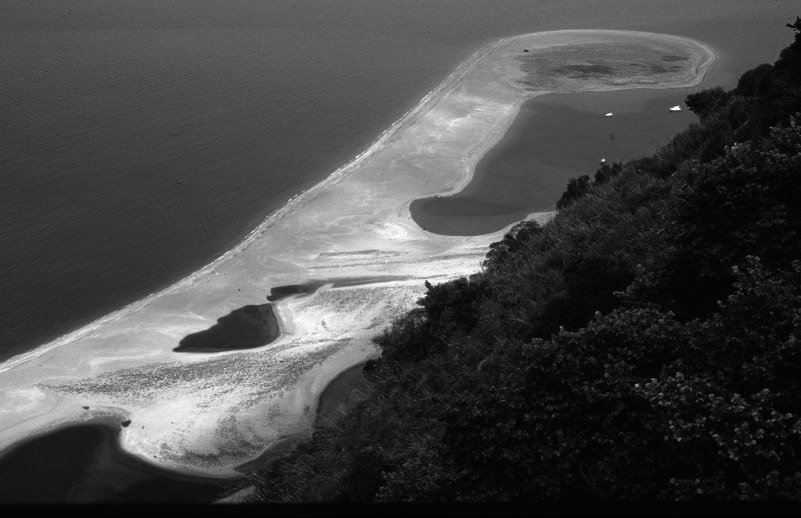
{"type": "Point", "coordinates": [643, 345]}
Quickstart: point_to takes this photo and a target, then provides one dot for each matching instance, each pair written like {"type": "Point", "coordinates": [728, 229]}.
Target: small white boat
{"type": "Point", "coordinates": [608, 114]}
{"type": "Point", "coordinates": [676, 108]}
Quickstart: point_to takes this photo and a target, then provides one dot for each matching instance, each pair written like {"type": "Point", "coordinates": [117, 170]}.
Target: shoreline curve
{"type": "Point", "coordinates": [226, 407]}
{"type": "Point", "coordinates": [504, 192]}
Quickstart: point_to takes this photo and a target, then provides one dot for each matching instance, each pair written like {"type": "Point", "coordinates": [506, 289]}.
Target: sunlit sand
{"type": "Point", "coordinates": [206, 413]}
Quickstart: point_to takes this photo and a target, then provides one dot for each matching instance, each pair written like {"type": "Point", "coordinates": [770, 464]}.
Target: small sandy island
{"type": "Point", "coordinates": [207, 412]}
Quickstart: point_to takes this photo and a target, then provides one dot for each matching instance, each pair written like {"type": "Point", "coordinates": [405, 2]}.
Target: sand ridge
{"type": "Point", "coordinates": [206, 413]}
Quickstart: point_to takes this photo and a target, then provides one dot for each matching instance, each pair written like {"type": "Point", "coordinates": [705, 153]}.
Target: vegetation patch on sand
{"type": "Point", "coordinates": [614, 64]}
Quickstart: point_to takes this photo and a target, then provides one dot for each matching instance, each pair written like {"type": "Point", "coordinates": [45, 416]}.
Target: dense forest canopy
{"type": "Point", "coordinates": [642, 345]}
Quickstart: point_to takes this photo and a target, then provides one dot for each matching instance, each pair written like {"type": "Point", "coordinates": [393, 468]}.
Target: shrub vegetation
{"type": "Point", "coordinates": [642, 345]}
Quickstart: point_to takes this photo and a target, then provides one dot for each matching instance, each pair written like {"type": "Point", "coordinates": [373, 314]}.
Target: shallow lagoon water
{"type": "Point", "coordinates": [83, 464]}
{"type": "Point", "coordinates": [554, 138]}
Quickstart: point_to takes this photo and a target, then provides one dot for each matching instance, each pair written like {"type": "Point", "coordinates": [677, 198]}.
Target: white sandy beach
{"type": "Point", "coordinates": [206, 413]}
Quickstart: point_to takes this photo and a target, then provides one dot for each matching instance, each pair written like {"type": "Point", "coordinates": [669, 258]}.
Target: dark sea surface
{"type": "Point", "coordinates": [140, 140]}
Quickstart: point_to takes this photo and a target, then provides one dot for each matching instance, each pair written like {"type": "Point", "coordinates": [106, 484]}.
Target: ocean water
{"type": "Point", "coordinates": [139, 140]}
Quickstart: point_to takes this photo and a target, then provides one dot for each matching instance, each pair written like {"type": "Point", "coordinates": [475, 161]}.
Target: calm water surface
{"type": "Point", "coordinates": [141, 140]}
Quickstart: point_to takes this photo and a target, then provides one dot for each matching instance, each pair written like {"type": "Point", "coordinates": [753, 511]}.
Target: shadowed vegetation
{"type": "Point", "coordinates": [643, 345]}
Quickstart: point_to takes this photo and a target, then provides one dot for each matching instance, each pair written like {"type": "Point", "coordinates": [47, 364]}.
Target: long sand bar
{"type": "Point", "coordinates": [206, 413]}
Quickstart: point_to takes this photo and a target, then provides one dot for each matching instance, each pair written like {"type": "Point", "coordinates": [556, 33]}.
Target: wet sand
{"type": "Point", "coordinates": [336, 394]}
{"type": "Point", "coordinates": [208, 413]}
{"type": "Point", "coordinates": [84, 464]}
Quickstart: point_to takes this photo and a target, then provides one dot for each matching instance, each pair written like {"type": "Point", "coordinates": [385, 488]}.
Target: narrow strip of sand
{"type": "Point", "coordinates": [205, 413]}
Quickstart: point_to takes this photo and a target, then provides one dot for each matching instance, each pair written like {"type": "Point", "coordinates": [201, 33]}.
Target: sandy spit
{"type": "Point", "coordinates": [206, 413]}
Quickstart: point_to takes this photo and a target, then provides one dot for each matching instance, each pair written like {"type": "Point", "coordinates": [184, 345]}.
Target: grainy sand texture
{"type": "Point", "coordinates": [205, 413]}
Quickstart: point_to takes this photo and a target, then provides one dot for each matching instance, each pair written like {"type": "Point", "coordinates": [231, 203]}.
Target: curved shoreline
{"type": "Point", "coordinates": [227, 407]}
{"type": "Point", "coordinates": [261, 228]}
{"type": "Point", "coordinates": [131, 473]}
{"type": "Point", "coordinates": [700, 72]}
{"type": "Point", "coordinates": [83, 463]}
{"type": "Point", "coordinates": [528, 169]}
{"type": "Point", "coordinates": [481, 206]}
